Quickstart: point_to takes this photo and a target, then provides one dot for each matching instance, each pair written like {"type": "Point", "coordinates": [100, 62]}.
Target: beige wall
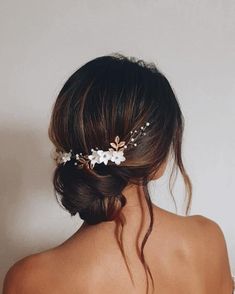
{"type": "Point", "coordinates": [43, 42]}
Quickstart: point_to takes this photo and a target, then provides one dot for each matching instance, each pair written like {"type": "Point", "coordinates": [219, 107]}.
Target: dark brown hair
{"type": "Point", "coordinates": [108, 96]}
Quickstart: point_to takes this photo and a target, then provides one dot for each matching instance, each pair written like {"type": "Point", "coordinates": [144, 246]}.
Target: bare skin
{"type": "Point", "coordinates": [186, 255]}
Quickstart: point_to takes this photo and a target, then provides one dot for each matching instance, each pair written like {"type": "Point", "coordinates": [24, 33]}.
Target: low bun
{"type": "Point", "coordinates": [95, 196]}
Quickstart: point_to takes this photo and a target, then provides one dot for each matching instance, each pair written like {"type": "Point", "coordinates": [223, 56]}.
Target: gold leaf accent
{"type": "Point", "coordinates": [122, 143]}
{"type": "Point", "coordinates": [82, 160]}
{"type": "Point", "coordinates": [113, 145]}
{"type": "Point", "coordinates": [91, 166]}
{"type": "Point", "coordinates": [121, 149]}
{"type": "Point", "coordinates": [117, 139]}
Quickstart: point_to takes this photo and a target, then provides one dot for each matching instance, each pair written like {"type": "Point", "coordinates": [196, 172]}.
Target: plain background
{"type": "Point", "coordinates": [43, 42]}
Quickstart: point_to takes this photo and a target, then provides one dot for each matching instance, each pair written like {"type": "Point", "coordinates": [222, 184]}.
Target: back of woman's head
{"type": "Point", "coordinates": [109, 96]}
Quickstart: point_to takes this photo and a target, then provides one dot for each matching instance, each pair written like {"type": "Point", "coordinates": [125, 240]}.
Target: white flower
{"type": "Point", "coordinates": [94, 157]}
{"type": "Point", "coordinates": [64, 157]}
{"type": "Point", "coordinates": [117, 157]}
{"type": "Point", "coordinates": [99, 156]}
{"type": "Point", "coordinates": [104, 156]}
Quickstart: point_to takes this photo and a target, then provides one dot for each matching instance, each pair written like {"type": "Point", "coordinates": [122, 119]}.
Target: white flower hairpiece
{"type": "Point", "coordinates": [115, 154]}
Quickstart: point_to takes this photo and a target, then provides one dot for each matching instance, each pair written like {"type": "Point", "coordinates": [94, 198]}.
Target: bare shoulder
{"type": "Point", "coordinates": [203, 232]}
{"type": "Point", "coordinates": [200, 247]}
{"type": "Point", "coordinates": [209, 233]}
{"type": "Point", "coordinates": [29, 275]}
{"type": "Point", "coordinates": [207, 239]}
{"type": "Point", "coordinates": [210, 252]}
{"type": "Point", "coordinates": [58, 270]}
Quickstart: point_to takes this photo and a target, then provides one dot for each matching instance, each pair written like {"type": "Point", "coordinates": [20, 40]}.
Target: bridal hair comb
{"type": "Point", "coordinates": [115, 154]}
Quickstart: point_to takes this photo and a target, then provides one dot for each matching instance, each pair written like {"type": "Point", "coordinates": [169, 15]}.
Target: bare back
{"type": "Point", "coordinates": [185, 255]}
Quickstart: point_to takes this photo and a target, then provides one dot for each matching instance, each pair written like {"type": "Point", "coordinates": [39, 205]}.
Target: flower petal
{"type": "Point", "coordinates": [100, 152]}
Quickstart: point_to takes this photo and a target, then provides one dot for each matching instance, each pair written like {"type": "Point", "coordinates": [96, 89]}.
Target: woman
{"type": "Point", "coordinates": [115, 124]}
